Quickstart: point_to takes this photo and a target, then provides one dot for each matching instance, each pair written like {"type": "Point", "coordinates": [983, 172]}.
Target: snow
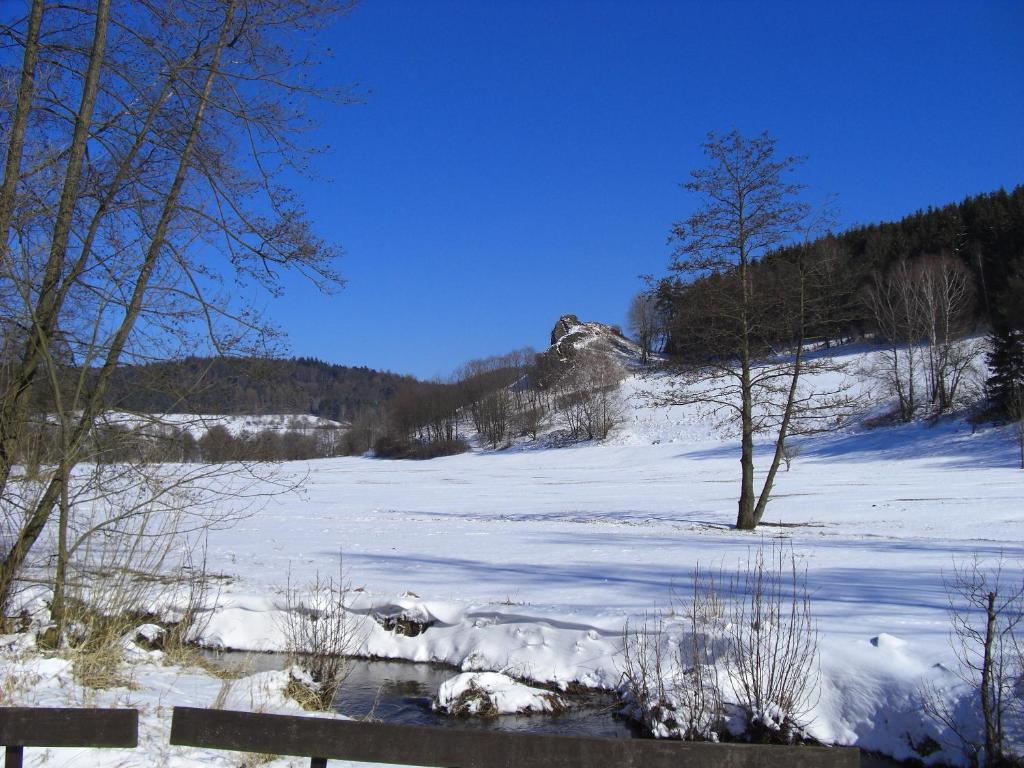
{"type": "Point", "coordinates": [154, 688]}
{"type": "Point", "coordinates": [530, 560]}
{"type": "Point", "coordinates": [493, 693]}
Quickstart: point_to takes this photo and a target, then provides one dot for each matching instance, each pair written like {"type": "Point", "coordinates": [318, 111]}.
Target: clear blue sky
{"type": "Point", "coordinates": [514, 161]}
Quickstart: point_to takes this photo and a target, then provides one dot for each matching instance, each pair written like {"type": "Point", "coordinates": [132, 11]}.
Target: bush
{"type": "Point", "coordinates": [670, 668]}
{"type": "Point", "coordinates": [320, 636]}
{"type": "Point", "coordinates": [756, 628]}
{"type": "Point", "coordinates": [388, 447]}
{"type": "Point", "coordinates": [774, 661]}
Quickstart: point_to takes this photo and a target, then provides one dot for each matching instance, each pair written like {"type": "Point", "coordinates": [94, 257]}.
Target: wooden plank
{"type": "Point", "coordinates": [441, 747]}
{"type": "Point", "coordinates": [44, 727]}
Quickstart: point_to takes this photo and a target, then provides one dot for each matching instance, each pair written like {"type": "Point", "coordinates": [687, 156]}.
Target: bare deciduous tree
{"type": "Point", "coordinates": [587, 394]}
{"type": "Point", "coordinates": [947, 304]}
{"type": "Point", "coordinates": [731, 312]}
{"type": "Point", "coordinates": [1015, 408]}
{"type": "Point", "coordinates": [987, 616]}
{"type": "Point", "coordinates": [142, 169]}
{"type": "Point", "coordinates": [892, 301]}
{"type": "Point", "coordinates": [922, 311]}
{"type": "Point", "coordinates": [645, 322]}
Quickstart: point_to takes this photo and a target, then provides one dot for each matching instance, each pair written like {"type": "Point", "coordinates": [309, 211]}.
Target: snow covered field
{"type": "Point", "coordinates": [528, 561]}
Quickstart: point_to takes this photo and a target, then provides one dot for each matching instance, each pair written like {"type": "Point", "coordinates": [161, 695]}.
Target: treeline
{"type": "Point", "coordinates": [984, 234]}
{"type": "Point", "coordinates": [499, 398]}
{"type": "Point", "coordinates": [252, 386]}
{"type": "Point", "coordinates": [149, 441]}
{"type": "Point", "coordinates": [922, 284]}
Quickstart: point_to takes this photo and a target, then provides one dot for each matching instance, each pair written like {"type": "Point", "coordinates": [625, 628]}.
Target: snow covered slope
{"type": "Point", "coordinates": [529, 561]}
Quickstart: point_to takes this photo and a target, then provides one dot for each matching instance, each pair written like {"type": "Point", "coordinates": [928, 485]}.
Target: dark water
{"type": "Point", "coordinates": [401, 692]}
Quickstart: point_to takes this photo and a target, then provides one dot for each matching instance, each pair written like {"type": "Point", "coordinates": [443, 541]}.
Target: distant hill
{"type": "Point", "coordinates": [252, 386]}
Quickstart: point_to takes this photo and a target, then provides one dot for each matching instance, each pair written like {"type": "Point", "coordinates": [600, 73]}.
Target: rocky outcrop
{"type": "Point", "coordinates": [564, 326]}
{"type": "Point", "coordinates": [570, 335]}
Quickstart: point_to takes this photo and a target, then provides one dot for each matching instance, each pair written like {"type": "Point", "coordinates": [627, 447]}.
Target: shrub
{"type": "Point", "coordinates": [320, 636]}
{"type": "Point", "coordinates": [670, 668]}
{"type": "Point", "coordinates": [756, 627]}
{"type": "Point", "coordinates": [774, 644]}
{"type": "Point", "coordinates": [388, 447]}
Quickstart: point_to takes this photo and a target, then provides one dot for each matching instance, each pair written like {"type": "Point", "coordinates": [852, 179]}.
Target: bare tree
{"type": "Point", "coordinates": [532, 413]}
{"type": "Point", "coordinates": [587, 394]}
{"type": "Point", "coordinates": [923, 311]}
{"type": "Point", "coordinates": [142, 168]}
{"type": "Point", "coordinates": [1015, 409]}
{"type": "Point", "coordinates": [947, 304]}
{"type": "Point", "coordinates": [790, 453]}
{"type": "Point", "coordinates": [644, 320]}
{"type": "Point", "coordinates": [893, 302]}
{"type": "Point", "coordinates": [731, 314]}
{"type": "Point", "coordinates": [774, 661]}
{"type": "Point", "coordinates": [987, 615]}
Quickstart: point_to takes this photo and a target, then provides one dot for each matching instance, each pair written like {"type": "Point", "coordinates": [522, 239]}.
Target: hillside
{"type": "Point", "coordinates": [983, 234]}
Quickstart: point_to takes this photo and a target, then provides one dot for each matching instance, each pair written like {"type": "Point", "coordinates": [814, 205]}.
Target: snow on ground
{"type": "Point", "coordinates": [150, 686]}
{"type": "Point", "coordinates": [529, 561]}
{"type": "Point", "coordinates": [493, 693]}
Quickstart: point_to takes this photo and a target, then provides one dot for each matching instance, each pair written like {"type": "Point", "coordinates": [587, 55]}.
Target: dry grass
{"type": "Point", "coordinates": [192, 657]}
{"type": "Point", "coordinates": [97, 650]}
{"type": "Point", "coordinates": [100, 667]}
{"type": "Point", "coordinates": [253, 759]}
{"type": "Point", "coordinates": [312, 698]}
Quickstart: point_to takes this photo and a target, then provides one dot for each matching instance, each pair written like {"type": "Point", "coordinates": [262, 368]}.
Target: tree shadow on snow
{"type": "Point", "coordinates": [951, 444]}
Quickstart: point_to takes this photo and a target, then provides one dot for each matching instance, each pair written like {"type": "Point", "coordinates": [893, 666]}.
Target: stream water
{"type": "Point", "coordinates": [402, 691]}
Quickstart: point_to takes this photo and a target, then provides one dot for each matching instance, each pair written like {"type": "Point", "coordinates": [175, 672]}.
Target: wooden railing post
{"type": "Point", "coordinates": [13, 756]}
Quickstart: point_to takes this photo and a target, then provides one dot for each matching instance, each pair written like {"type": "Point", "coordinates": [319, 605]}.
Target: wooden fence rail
{"type": "Point", "coordinates": [322, 739]}
{"type": "Point", "coordinates": [22, 727]}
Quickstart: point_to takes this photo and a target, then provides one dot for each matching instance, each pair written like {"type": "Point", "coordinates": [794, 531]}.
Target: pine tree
{"type": "Point", "coordinates": [1006, 360]}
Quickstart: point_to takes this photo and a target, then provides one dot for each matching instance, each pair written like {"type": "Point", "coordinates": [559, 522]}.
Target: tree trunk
{"type": "Point", "coordinates": [780, 441]}
{"type": "Point", "coordinates": [993, 748]}
{"type": "Point", "coordinates": [19, 124]}
{"type": "Point", "coordinates": [46, 308]}
{"type": "Point", "coordinates": [27, 536]}
{"type": "Point", "coordinates": [745, 520]}
{"type": "Point", "coordinates": [57, 612]}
